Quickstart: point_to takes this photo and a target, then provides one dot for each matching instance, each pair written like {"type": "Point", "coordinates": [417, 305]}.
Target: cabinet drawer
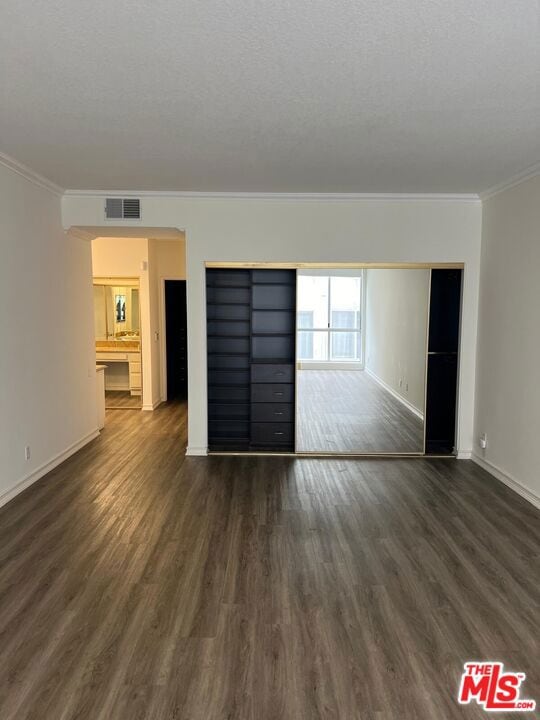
{"type": "Point", "coordinates": [135, 381]}
{"type": "Point", "coordinates": [117, 356]}
{"type": "Point", "coordinates": [272, 412]}
{"type": "Point", "coordinates": [134, 366]}
{"type": "Point", "coordinates": [266, 373]}
{"type": "Point", "coordinates": [272, 393]}
{"type": "Point", "coordinates": [272, 433]}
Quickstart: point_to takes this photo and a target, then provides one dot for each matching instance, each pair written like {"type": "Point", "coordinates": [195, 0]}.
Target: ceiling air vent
{"type": "Point", "coordinates": [122, 209]}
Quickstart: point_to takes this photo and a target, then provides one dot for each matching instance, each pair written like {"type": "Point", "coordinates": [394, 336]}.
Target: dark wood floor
{"type": "Point", "coordinates": [122, 400]}
{"type": "Point", "coordinates": [346, 411]}
{"type": "Point", "coordinates": [136, 583]}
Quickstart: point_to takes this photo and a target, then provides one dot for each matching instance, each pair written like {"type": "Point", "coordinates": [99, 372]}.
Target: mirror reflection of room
{"type": "Point", "coordinates": [118, 343]}
{"type": "Point", "coordinates": [361, 354]}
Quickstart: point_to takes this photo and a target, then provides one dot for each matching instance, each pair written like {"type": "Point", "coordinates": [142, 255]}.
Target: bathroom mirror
{"type": "Point", "coordinates": [361, 360]}
{"type": "Point", "coordinates": [116, 311]}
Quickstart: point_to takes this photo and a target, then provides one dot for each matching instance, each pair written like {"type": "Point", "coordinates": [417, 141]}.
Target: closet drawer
{"type": "Point", "coordinates": [134, 366]}
{"type": "Point", "coordinates": [263, 393]}
{"type": "Point", "coordinates": [272, 412]}
{"type": "Point", "coordinates": [135, 382]}
{"type": "Point", "coordinates": [268, 373]}
{"type": "Point", "coordinates": [272, 433]}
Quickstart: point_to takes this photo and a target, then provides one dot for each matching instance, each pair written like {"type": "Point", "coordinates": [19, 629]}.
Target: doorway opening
{"type": "Point", "coordinates": [117, 334]}
{"type": "Point", "coordinates": [175, 340]}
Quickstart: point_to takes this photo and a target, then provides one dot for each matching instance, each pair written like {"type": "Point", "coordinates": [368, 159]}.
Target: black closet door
{"type": "Point", "coordinates": [442, 365]}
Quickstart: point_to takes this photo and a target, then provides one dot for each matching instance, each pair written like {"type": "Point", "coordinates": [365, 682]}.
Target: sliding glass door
{"type": "Point", "coordinates": [329, 318]}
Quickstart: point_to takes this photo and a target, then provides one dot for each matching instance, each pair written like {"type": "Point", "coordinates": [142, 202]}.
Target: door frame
{"type": "Point", "coordinates": [254, 265]}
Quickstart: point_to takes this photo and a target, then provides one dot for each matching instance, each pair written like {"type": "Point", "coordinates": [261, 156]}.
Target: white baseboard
{"type": "Point", "coordinates": [197, 451]}
{"type": "Point", "coordinates": [153, 406]}
{"type": "Point", "coordinates": [392, 392]}
{"type": "Point", "coordinates": [46, 467]}
{"type": "Point", "coordinates": [508, 480]}
{"type": "Point", "coordinates": [464, 456]}
{"type": "Point", "coordinates": [330, 366]}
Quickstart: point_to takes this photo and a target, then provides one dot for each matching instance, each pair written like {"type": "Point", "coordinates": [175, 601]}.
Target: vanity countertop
{"type": "Point", "coordinates": [118, 346]}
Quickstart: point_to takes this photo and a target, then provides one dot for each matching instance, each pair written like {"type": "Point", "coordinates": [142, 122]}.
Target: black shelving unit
{"type": "Point", "coordinates": [251, 356]}
{"type": "Point", "coordinates": [228, 318]}
{"type": "Point", "coordinates": [273, 329]}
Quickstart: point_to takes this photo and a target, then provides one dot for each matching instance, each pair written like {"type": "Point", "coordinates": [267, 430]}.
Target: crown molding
{"type": "Point", "coordinates": [527, 174]}
{"type": "Point", "coordinates": [28, 174]}
{"type": "Point", "coordinates": [295, 197]}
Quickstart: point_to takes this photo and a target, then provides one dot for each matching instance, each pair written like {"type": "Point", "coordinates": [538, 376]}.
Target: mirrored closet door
{"type": "Point", "coordinates": [362, 342]}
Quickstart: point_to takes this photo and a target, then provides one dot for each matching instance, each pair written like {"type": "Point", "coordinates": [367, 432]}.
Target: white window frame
{"type": "Point", "coordinates": [338, 364]}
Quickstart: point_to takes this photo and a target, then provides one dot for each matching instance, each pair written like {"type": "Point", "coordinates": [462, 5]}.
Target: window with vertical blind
{"type": "Point", "coordinates": [329, 318]}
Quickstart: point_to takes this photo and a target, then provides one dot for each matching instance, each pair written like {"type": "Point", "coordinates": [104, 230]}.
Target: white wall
{"type": "Point", "coordinates": [396, 330]}
{"type": "Point", "coordinates": [508, 380]}
{"type": "Point", "coordinates": [259, 229]}
{"type": "Point", "coordinates": [47, 366]}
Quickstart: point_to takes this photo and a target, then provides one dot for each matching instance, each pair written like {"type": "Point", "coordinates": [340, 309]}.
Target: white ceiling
{"type": "Point", "coordinates": [277, 96]}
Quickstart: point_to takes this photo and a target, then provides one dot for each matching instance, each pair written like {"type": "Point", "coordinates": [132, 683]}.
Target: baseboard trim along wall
{"type": "Point", "coordinates": [330, 366]}
{"type": "Point", "coordinates": [392, 392]}
{"type": "Point", "coordinates": [46, 467]}
{"type": "Point", "coordinates": [197, 451]}
{"type": "Point", "coordinates": [508, 480]}
{"type": "Point", "coordinates": [149, 408]}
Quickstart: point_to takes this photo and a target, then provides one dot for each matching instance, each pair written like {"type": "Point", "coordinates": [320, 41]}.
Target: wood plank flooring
{"type": "Point", "coordinates": [122, 400]}
{"type": "Point", "coordinates": [346, 411]}
{"type": "Point", "coordinates": [136, 583]}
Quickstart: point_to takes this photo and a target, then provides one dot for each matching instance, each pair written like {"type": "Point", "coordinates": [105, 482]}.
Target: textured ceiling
{"type": "Point", "coordinates": [278, 96]}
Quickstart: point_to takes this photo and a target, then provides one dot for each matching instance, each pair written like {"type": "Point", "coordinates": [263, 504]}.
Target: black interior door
{"type": "Point", "coordinates": [176, 338]}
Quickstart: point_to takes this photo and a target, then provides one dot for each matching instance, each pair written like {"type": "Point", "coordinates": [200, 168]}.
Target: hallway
{"type": "Point", "coordinates": [138, 583]}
